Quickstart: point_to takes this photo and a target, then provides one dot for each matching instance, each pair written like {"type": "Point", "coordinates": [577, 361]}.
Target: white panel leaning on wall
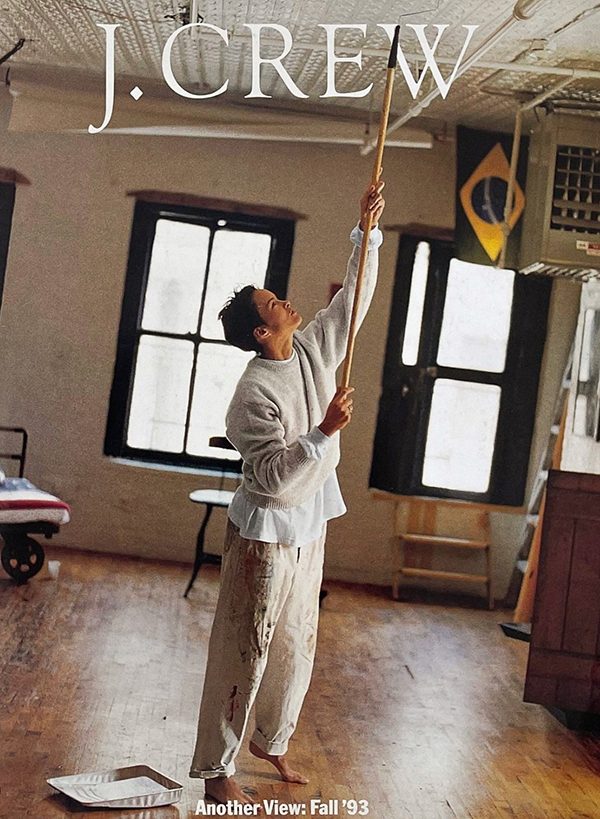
{"type": "Point", "coordinates": [581, 452]}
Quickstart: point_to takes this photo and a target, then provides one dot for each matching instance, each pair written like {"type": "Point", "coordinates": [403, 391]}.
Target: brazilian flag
{"type": "Point", "coordinates": [483, 166]}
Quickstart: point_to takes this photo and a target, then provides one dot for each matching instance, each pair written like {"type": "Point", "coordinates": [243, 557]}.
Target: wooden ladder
{"type": "Point", "coordinates": [413, 549]}
{"type": "Point", "coordinates": [521, 589]}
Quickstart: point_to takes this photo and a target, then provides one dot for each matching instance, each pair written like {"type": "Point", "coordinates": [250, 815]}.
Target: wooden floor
{"type": "Point", "coordinates": [416, 707]}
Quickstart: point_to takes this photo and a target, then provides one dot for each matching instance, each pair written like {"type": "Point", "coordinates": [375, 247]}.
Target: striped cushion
{"type": "Point", "coordinates": [22, 502]}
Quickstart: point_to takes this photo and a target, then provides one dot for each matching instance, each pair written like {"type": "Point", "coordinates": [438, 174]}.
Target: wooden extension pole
{"type": "Point", "coordinates": [383, 123]}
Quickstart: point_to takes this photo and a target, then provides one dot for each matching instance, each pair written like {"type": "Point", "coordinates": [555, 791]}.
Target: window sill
{"type": "Point", "coordinates": [213, 472]}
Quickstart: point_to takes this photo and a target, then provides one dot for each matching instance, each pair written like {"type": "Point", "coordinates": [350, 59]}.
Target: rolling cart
{"type": "Point", "coordinates": [25, 510]}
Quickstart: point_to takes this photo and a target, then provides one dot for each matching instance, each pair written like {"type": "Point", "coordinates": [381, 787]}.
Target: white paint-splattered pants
{"type": "Point", "coordinates": [261, 649]}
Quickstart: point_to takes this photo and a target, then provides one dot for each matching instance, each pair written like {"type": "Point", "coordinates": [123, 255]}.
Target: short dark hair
{"type": "Point", "coordinates": [240, 318]}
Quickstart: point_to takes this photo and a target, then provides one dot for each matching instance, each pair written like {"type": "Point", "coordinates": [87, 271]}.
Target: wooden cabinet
{"type": "Point", "coordinates": [564, 658]}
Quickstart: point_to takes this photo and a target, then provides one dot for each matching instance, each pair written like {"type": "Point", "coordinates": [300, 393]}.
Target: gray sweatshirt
{"type": "Point", "coordinates": [275, 401]}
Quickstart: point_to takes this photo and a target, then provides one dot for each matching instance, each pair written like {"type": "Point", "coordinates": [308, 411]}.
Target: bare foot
{"type": "Point", "coordinates": [281, 763]}
{"type": "Point", "coordinates": [224, 789]}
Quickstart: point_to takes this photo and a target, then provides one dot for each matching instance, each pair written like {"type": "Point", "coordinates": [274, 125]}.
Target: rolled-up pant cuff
{"type": "Point", "coordinates": [228, 770]}
{"type": "Point", "coordinates": [274, 748]}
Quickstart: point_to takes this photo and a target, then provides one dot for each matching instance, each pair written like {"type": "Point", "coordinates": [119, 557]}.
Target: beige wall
{"type": "Point", "coordinates": [62, 301]}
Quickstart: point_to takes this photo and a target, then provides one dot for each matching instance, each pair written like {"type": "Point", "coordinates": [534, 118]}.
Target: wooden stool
{"type": "Point", "coordinates": [211, 498]}
{"type": "Point", "coordinates": [416, 546]}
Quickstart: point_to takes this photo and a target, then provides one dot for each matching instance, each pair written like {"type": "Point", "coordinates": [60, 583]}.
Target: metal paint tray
{"type": "Point", "coordinates": [137, 786]}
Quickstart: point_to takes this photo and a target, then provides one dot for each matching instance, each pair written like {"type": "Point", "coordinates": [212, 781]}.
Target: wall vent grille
{"type": "Point", "coordinates": [576, 199]}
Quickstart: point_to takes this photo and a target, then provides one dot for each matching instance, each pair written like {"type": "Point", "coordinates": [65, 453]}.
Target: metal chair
{"type": "Point", "coordinates": [210, 498]}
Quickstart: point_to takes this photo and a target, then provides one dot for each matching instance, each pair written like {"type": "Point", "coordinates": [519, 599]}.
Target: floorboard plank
{"type": "Point", "coordinates": [415, 707]}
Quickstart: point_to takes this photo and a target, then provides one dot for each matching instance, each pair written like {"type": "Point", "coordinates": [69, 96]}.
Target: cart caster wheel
{"type": "Point", "coordinates": [22, 557]}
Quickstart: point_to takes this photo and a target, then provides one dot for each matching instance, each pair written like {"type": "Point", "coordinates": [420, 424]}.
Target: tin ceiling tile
{"type": "Point", "coordinates": [65, 33]}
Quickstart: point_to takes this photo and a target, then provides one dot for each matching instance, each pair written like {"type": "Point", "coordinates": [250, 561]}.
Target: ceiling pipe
{"type": "Point", "coordinates": [578, 112]}
{"type": "Point", "coordinates": [514, 160]}
{"type": "Point", "coordinates": [521, 68]}
{"type": "Point", "coordinates": [523, 10]}
{"type": "Point", "coordinates": [512, 180]}
{"type": "Point", "coordinates": [570, 106]}
{"type": "Point", "coordinates": [533, 103]}
{"type": "Point", "coordinates": [526, 68]}
{"type": "Point", "coordinates": [484, 85]}
{"type": "Point", "coordinates": [529, 104]}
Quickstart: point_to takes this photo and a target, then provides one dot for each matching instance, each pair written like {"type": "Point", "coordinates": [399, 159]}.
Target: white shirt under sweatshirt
{"type": "Point", "coordinates": [301, 524]}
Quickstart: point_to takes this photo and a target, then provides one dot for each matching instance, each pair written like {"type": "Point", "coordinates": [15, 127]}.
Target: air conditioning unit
{"type": "Point", "coordinates": [561, 226]}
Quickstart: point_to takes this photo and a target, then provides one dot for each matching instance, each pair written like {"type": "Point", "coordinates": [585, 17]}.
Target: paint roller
{"type": "Point", "coordinates": [377, 165]}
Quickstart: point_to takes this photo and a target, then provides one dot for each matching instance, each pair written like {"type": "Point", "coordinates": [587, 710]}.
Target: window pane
{"type": "Point", "coordinates": [237, 259]}
{"type": "Point", "coordinates": [218, 371]}
{"type": "Point", "coordinates": [160, 394]}
{"type": "Point", "coordinates": [176, 277]}
{"type": "Point", "coordinates": [476, 319]}
{"type": "Point", "coordinates": [414, 318]}
{"type": "Point", "coordinates": [460, 436]}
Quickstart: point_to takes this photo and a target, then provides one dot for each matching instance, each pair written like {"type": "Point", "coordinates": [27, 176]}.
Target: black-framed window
{"type": "Point", "coordinates": [7, 203]}
{"type": "Point", "coordinates": [174, 373]}
{"type": "Point", "coordinates": [460, 378]}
